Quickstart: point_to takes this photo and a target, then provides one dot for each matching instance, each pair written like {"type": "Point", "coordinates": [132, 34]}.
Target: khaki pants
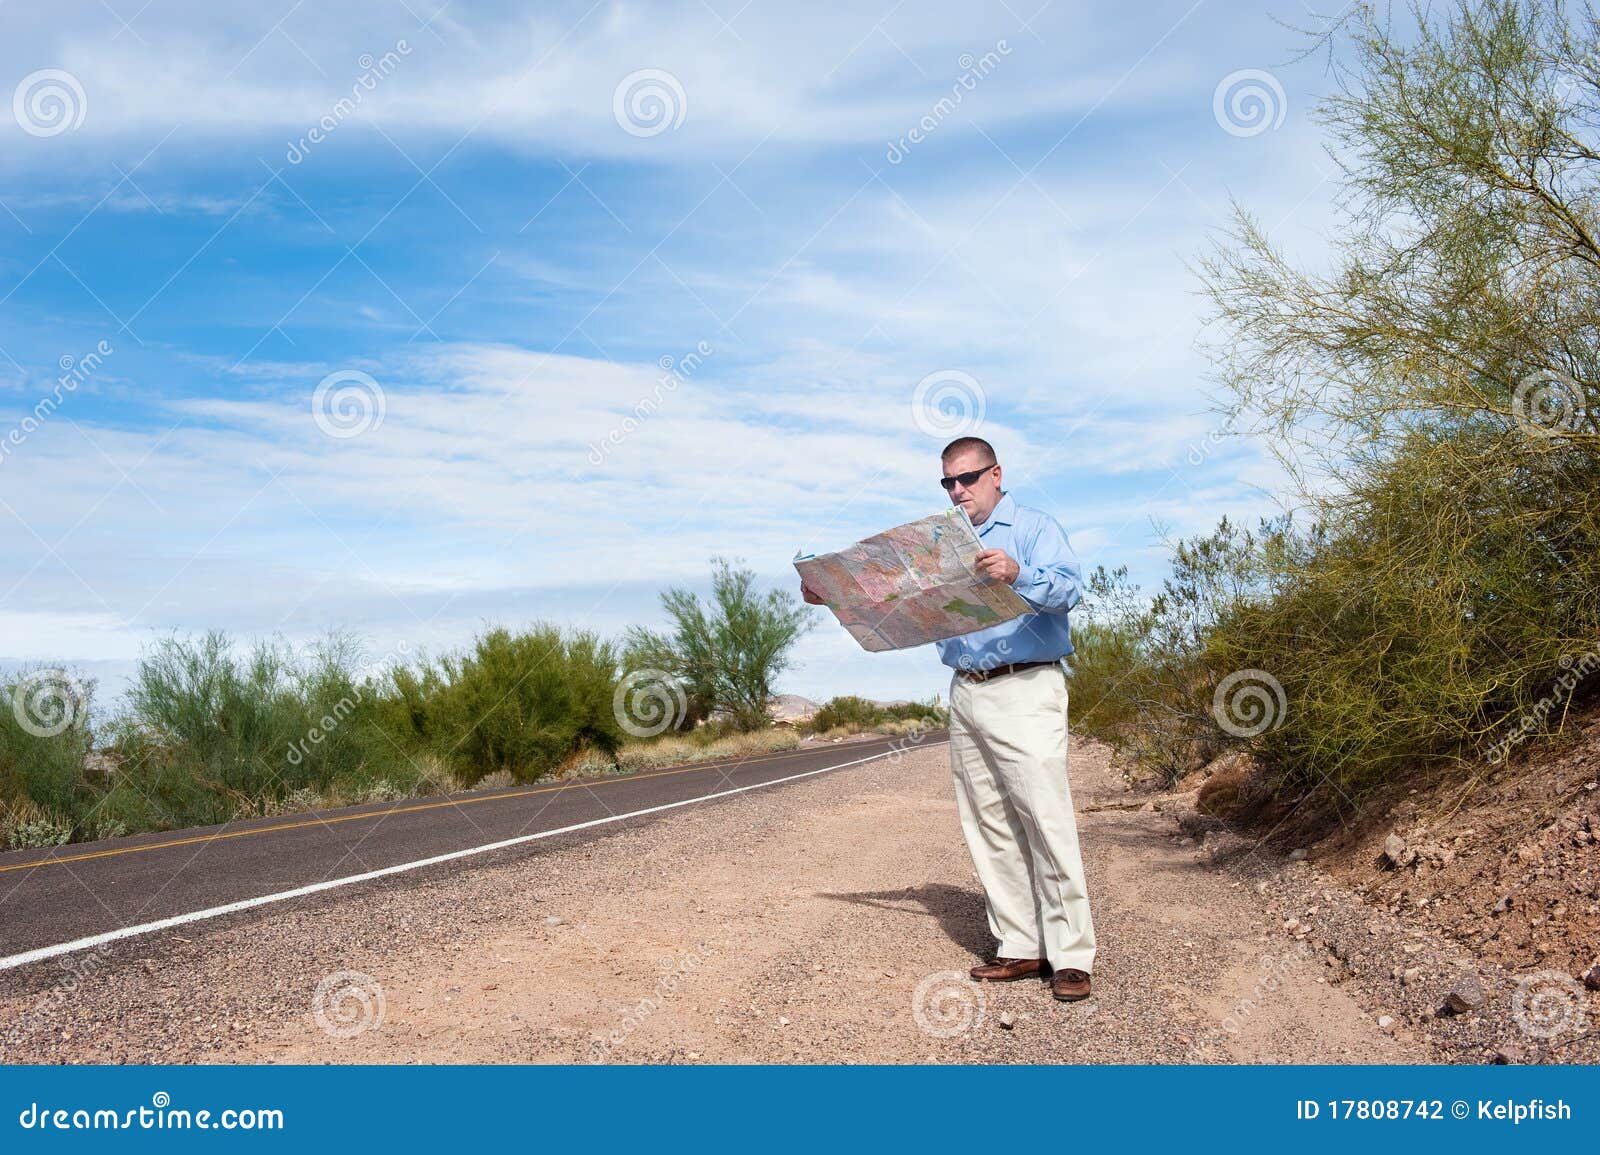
{"type": "Point", "coordinates": [1008, 754]}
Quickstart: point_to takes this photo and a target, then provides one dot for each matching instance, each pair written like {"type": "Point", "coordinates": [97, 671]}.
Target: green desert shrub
{"type": "Point", "coordinates": [722, 655]}
{"type": "Point", "coordinates": [845, 710]}
{"type": "Point", "coordinates": [521, 702]}
{"type": "Point", "coordinates": [45, 741]}
{"type": "Point", "coordinates": [209, 732]}
{"type": "Point", "coordinates": [854, 714]}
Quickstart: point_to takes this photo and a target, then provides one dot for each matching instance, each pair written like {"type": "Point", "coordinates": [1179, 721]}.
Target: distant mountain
{"type": "Point", "coordinates": [791, 708]}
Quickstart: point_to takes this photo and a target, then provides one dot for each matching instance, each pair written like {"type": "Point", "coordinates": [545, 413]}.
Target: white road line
{"type": "Point", "coordinates": [45, 952]}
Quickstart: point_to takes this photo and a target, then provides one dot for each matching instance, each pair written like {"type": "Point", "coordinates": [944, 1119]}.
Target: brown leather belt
{"type": "Point", "coordinates": [1008, 668]}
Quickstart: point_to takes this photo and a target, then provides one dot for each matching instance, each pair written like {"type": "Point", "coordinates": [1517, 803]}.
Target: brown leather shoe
{"type": "Point", "coordinates": [1070, 985]}
{"type": "Point", "coordinates": [1004, 970]}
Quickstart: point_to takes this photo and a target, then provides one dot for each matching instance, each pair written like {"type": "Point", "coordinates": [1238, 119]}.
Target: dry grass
{"type": "Point", "coordinates": [676, 750]}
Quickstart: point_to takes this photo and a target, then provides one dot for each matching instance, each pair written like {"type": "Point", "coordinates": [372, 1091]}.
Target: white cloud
{"type": "Point", "coordinates": [546, 77]}
{"type": "Point", "coordinates": [477, 491]}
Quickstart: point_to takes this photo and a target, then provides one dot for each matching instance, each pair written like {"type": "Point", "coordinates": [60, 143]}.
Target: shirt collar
{"type": "Point", "coordinates": [1004, 512]}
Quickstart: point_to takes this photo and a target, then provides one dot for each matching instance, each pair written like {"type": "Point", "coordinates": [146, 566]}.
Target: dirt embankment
{"type": "Point", "coordinates": [1502, 864]}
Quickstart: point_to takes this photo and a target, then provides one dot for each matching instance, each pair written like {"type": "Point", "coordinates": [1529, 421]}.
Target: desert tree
{"type": "Point", "coordinates": [725, 654]}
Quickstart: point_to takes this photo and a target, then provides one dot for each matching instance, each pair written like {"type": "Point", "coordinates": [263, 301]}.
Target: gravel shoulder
{"type": "Point", "coordinates": [830, 920]}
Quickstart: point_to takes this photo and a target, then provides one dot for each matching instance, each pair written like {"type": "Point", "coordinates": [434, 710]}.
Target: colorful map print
{"type": "Point", "coordinates": [911, 585]}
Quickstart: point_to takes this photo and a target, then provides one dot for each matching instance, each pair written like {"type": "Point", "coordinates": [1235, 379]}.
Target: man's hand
{"type": "Point", "coordinates": [810, 595]}
{"type": "Point", "coordinates": [997, 565]}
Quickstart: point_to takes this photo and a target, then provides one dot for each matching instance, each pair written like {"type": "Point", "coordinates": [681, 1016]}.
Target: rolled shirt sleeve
{"type": "Point", "coordinates": [1048, 578]}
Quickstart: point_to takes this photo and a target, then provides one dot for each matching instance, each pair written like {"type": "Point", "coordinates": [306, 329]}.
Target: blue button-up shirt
{"type": "Point", "coordinates": [1048, 580]}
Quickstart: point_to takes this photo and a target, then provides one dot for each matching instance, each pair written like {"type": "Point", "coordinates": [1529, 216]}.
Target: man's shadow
{"type": "Point", "coordinates": [961, 913]}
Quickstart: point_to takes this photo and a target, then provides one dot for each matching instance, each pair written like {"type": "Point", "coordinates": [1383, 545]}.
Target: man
{"type": "Point", "coordinates": [1008, 736]}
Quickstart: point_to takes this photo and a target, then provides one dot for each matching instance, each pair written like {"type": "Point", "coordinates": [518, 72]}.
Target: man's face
{"type": "Point", "coordinates": [983, 494]}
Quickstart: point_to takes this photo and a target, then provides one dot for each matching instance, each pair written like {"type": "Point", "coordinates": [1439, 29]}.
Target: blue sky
{"type": "Point", "coordinates": [493, 245]}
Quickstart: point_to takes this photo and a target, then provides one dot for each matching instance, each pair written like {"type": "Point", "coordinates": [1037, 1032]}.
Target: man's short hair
{"type": "Point", "coordinates": [962, 444]}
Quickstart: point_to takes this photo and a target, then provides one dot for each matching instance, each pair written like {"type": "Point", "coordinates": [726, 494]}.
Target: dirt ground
{"type": "Point", "coordinates": [1498, 863]}
{"type": "Point", "coordinates": [831, 920]}
{"type": "Point", "coordinates": [1506, 862]}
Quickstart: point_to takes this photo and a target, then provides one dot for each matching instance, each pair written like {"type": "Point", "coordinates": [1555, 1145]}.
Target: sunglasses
{"type": "Point", "coordinates": [967, 480]}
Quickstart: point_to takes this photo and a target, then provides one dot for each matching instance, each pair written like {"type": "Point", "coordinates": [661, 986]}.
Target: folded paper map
{"type": "Point", "coordinates": [913, 584]}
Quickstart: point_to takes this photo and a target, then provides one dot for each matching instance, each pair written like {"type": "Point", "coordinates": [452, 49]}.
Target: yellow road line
{"type": "Point", "coordinates": [222, 834]}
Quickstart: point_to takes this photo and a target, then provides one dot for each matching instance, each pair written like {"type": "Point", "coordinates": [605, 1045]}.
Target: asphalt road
{"type": "Point", "coordinates": [70, 893]}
